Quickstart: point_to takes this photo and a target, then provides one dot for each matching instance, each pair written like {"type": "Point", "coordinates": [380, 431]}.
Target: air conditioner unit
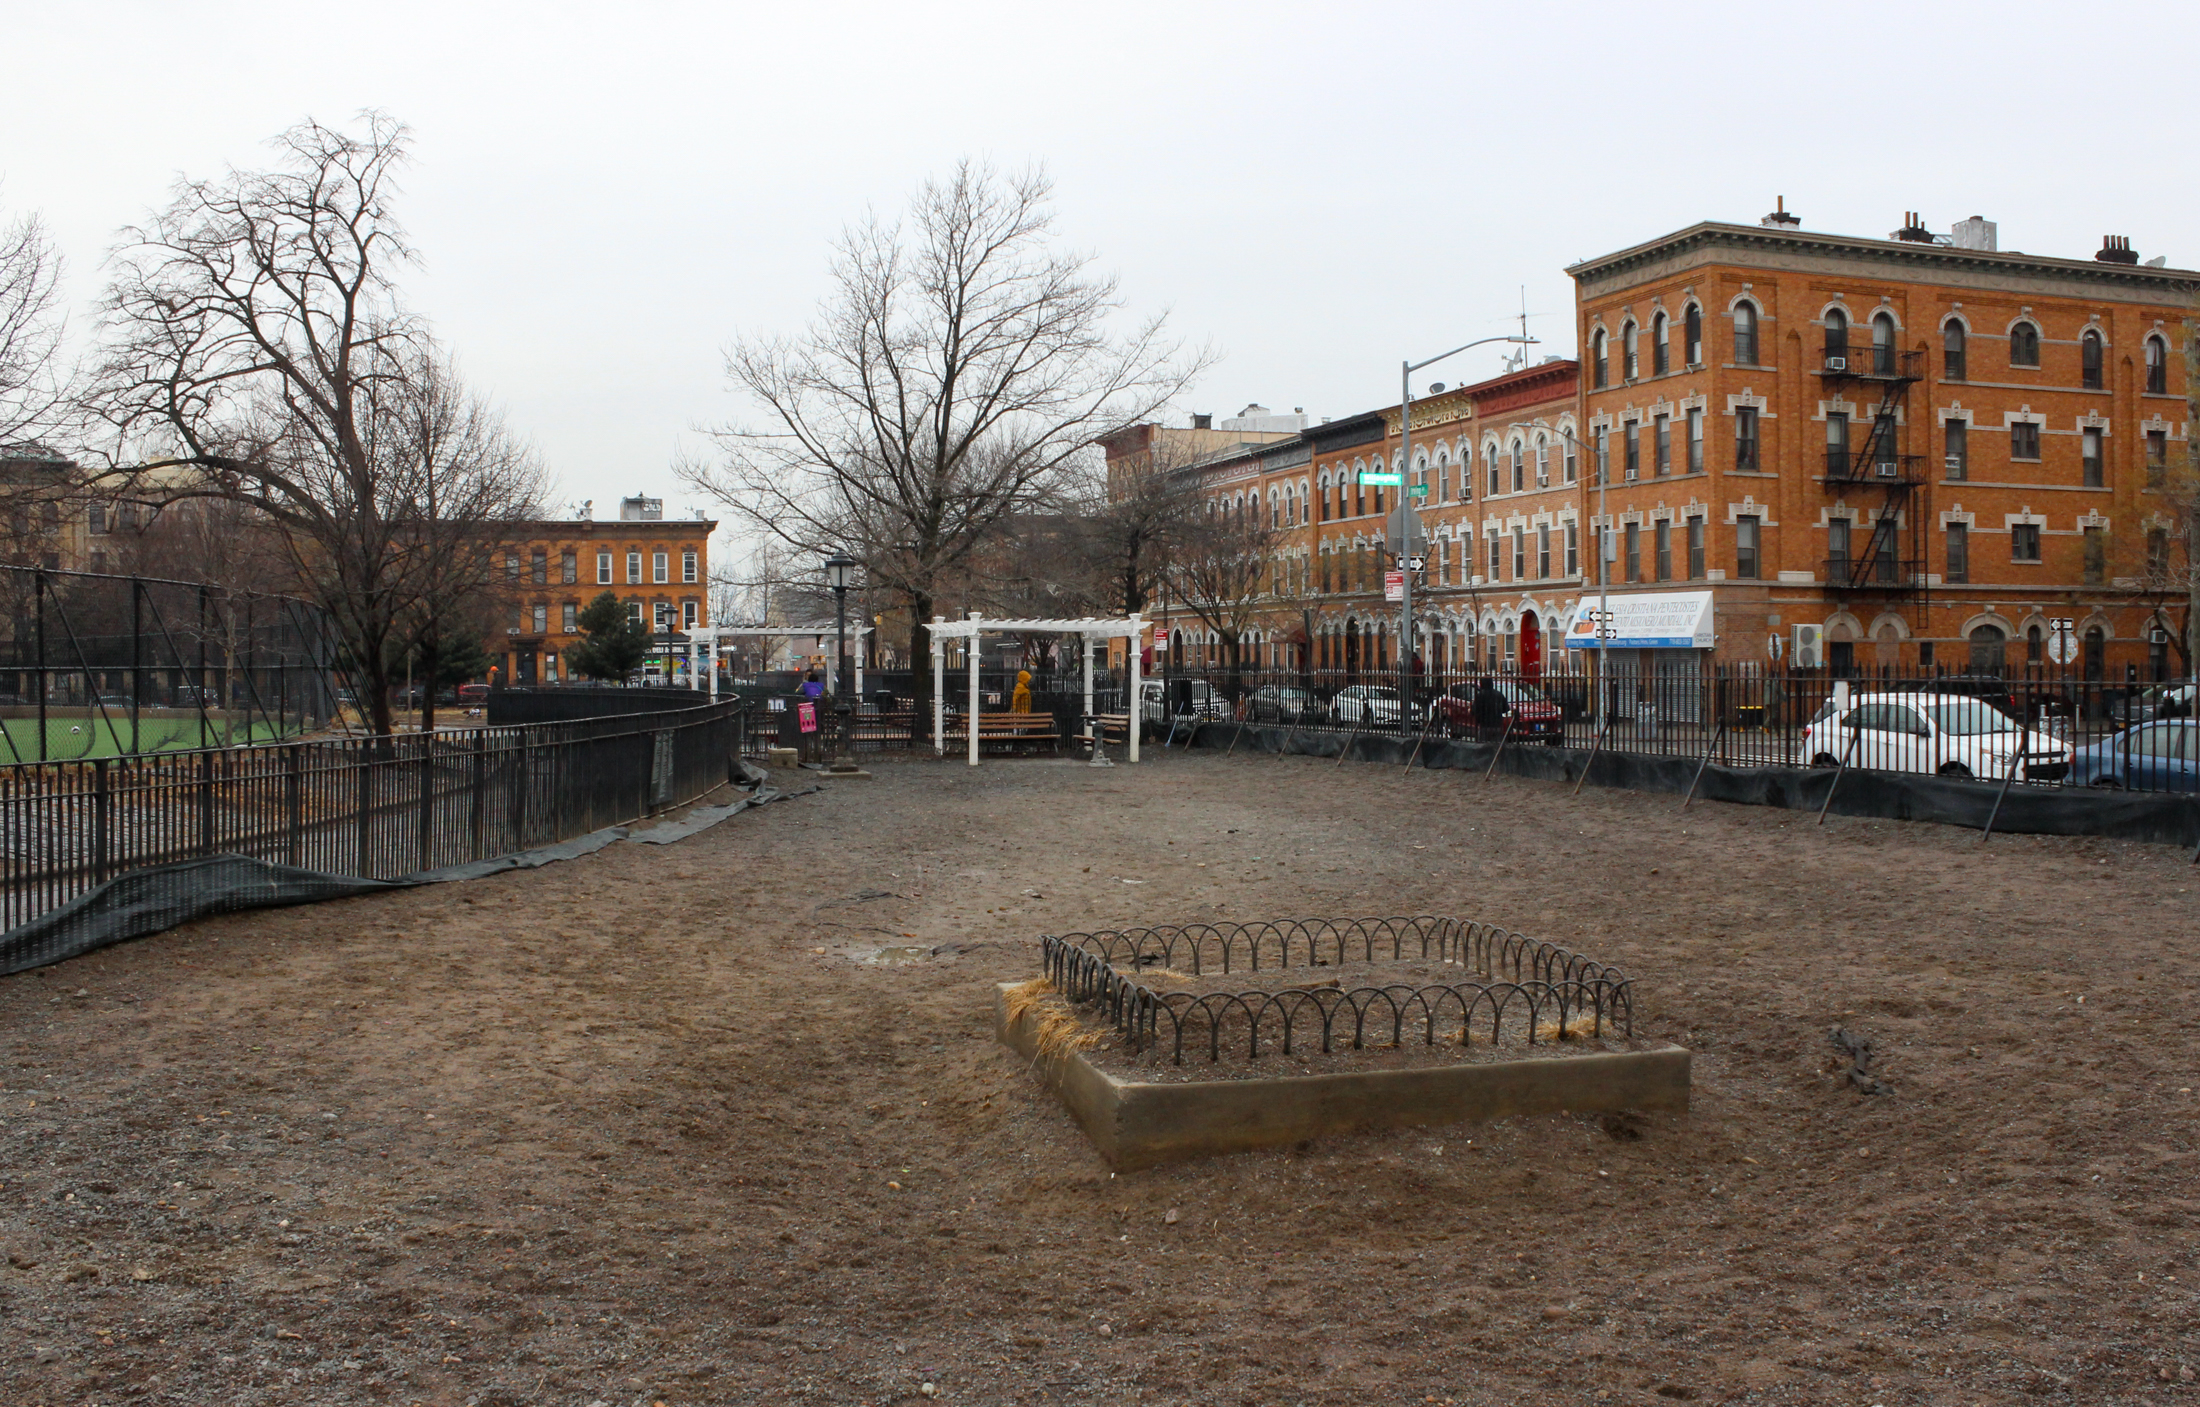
{"type": "Point", "coordinates": [1837, 363]}
{"type": "Point", "coordinates": [511, 630]}
{"type": "Point", "coordinates": [1953, 463]}
{"type": "Point", "coordinates": [1888, 469]}
{"type": "Point", "coordinates": [1810, 647]}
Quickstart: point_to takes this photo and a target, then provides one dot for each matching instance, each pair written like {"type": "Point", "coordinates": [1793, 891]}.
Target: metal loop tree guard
{"type": "Point", "coordinates": [1534, 989]}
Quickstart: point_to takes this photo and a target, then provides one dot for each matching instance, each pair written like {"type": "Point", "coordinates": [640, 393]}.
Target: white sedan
{"type": "Point", "coordinates": [1946, 734]}
{"type": "Point", "coordinates": [1369, 705]}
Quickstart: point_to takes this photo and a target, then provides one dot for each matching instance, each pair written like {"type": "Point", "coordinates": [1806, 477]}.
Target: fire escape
{"type": "Point", "coordinates": [1884, 557]}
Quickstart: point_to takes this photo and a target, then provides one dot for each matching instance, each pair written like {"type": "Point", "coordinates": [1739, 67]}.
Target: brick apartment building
{"type": "Point", "coordinates": [659, 567]}
{"type": "Point", "coordinates": [1928, 448]}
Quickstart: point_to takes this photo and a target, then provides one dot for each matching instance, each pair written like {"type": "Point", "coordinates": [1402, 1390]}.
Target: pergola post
{"type": "Point", "coordinates": [1088, 687]}
{"type": "Point", "coordinates": [977, 640]}
{"type": "Point", "coordinates": [939, 694]}
{"type": "Point", "coordinates": [1138, 630]}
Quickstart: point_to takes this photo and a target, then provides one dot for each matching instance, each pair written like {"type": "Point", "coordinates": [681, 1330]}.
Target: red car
{"type": "Point", "coordinates": [1534, 717]}
{"type": "Point", "coordinates": [473, 695]}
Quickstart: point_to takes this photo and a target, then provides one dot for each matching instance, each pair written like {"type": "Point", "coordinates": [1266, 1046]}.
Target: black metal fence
{"type": "Point", "coordinates": [94, 665]}
{"type": "Point", "coordinates": [375, 808]}
{"type": "Point", "coordinates": [2051, 728]}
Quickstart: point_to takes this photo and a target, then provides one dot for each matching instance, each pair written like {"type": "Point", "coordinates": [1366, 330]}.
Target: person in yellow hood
{"type": "Point", "coordinates": [1020, 701]}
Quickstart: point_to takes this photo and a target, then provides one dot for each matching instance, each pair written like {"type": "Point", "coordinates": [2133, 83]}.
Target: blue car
{"type": "Point", "coordinates": [2160, 756]}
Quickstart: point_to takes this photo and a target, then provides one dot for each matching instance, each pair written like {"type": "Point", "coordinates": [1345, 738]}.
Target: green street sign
{"type": "Point", "coordinates": [1417, 491]}
{"type": "Point", "coordinates": [1392, 480]}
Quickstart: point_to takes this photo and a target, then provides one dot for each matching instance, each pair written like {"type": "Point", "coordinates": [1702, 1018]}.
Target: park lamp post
{"type": "Point", "coordinates": [838, 570]}
{"type": "Point", "coordinates": [1403, 533]}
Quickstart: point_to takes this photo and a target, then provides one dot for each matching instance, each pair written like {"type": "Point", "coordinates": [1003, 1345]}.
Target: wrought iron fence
{"type": "Point", "coordinates": [94, 665]}
{"type": "Point", "coordinates": [1530, 991]}
{"type": "Point", "coordinates": [375, 808]}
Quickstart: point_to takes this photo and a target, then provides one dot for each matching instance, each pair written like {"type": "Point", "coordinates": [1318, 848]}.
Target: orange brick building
{"type": "Point", "coordinates": [659, 567]}
{"type": "Point", "coordinates": [1934, 448]}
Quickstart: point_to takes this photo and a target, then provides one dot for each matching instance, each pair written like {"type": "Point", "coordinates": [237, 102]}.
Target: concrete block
{"type": "Point", "coordinates": [1136, 1124]}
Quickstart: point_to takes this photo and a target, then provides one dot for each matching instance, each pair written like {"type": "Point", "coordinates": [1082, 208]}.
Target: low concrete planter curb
{"type": "Point", "coordinates": [1137, 1125]}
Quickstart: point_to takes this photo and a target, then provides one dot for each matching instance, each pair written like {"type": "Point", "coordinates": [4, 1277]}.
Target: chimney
{"type": "Point", "coordinates": [1202, 422]}
{"type": "Point", "coordinates": [1779, 218]}
{"type": "Point", "coordinates": [1913, 229]}
{"type": "Point", "coordinates": [1978, 232]}
{"type": "Point", "coordinates": [2116, 249]}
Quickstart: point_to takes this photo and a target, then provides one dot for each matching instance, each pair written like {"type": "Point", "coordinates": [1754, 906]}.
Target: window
{"type": "Point", "coordinates": [1520, 554]}
{"type": "Point", "coordinates": [1883, 344]}
{"type": "Point", "coordinates": [1745, 333]}
{"type": "Point", "coordinates": [1359, 496]}
{"type": "Point", "coordinates": [1543, 553]}
{"type": "Point", "coordinates": [511, 566]}
{"type": "Point", "coordinates": [1573, 549]}
{"type": "Point", "coordinates": [1519, 467]}
{"type": "Point", "coordinates": [634, 612]}
{"type": "Point", "coordinates": [1489, 452]}
{"type": "Point", "coordinates": [1837, 444]}
{"type": "Point", "coordinates": [1988, 650]}
{"type": "Point", "coordinates": [1695, 548]}
{"type": "Point", "coordinates": [538, 567]}
{"type": "Point", "coordinates": [1496, 558]}
{"type": "Point", "coordinates": [519, 619]}
{"type": "Point", "coordinates": [2024, 542]}
{"type": "Point", "coordinates": [1663, 445]}
{"type": "Point", "coordinates": [2024, 345]}
{"type": "Point", "coordinates": [1633, 536]}
{"type": "Point", "coordinates": [1695, 442]}
{"type": "Point", "coordinates": [688, 613]}
{"type": "Point", "coordinates": [568, 568]}
{"type": "Point", "coordinates": [633, 567]}
{"type": "Point", "coordinates": [2024, 440]}
{"type": "Point", "coordinates": [1604, 454]}
{"type": "Point", "coordinates": [1599, 363]}
{"type": "Point", "coordinates": [96, 520]}
{"type": "Point", "coordinates": [687, 565]}
{"type": "Point", "coordinates": [1884, 462]}
{"type": "Point", "coordinates": [1837, 549]}
{"type": "Point", "coordinates": [2096, 556]}
{"type": "Point", "coordinates": [1630, 366]}
{"type": "Point", "coordinates": [1745, 438]}
{"type": "Point", "coordinates": [1837, 339]}
{"type": "Point", "coordinates": [2089, 455]}
{"type": "Point", "coordinates": [542, 620]}
{"type": "Point", "coordinates": [2035, 642]}
{"type": "Point", "coordinates": [572, 620]}
{"type": "Point", "coordinates": [1745, 547]}
{"type": "Point", "coordinates": [1542, 462]}
{"type": "Point", "coordinates": [1692, 335]}
{"type": "Point", "coordinates": [603, 569]}
{"type": "Point", "coordinates": [1955, 442]}
{"type": "Point", "coordinates": [1660, 357]}
{"type": "Point", "coordinates": [1573, 465]}
{"type": "Point", "coordinates": [2157, 366]}
{"type": "Point", "coordinates": [2157, 552]}
{"type": "Point", "coordinates": [2157, 457]}
{"type": "Point", "coordinates": [1632, 431]}
{"type": "Point", "coordinates": [1959, 554]}
{"type": "Point", "coordinates": [1663, 533]}
{"type": "Point", "coordinates": [2089, 360]}
{"type": "Point", "coordinates": [1952, 341]}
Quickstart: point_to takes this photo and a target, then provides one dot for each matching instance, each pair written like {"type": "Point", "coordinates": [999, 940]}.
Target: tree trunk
{"type": "Point", "coordinates": [920, 659]}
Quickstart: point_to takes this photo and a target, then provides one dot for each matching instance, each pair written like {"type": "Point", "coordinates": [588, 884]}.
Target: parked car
{"type": "Point", "coordinates": [1160, 700]}
{"type": "Point", "coordinates": [1366, 705]}
{"type": "Point", "coordinates": [1282, 703]}
{"type": "Point", "coordinates": [112, 700]}
{"type": "Point", "coordinates": [2172, 699]}
{"type": "Point", "coordinates": [473, 695]}
{"type": "Point", "coordinates": [2160, 756]}
{"type": "Point", "coordinates": [1951, 735]}
{"type": "Point", "coordinates": [1536, 717]}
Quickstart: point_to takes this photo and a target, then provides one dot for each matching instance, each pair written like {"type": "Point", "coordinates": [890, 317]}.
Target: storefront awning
{"type": "Point", "coordinates": [1661, 620]}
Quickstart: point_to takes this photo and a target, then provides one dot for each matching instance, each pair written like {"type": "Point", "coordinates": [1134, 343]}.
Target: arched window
{"type": "Point", "coordinates": [1543, 459]}
{"type": "Point", "coordinates": [1837, 338]}
{"type": "Point", "coordinates": [2024, 345]}
{"type": "Point", "coordinates": [1359, 491]}
{"type": "Point", "coordinates": [1600, 367]}
{"type": "Point", "coordinates": [1988, 650]}
{"type": "Point", "coordinates": [1692, 335]}
{"type": "Point", "coordinates": [1275, 509]}
{"type": "Point", "coordinates": [1952, 343]}
{"type": "Point", "coordinates": [2157, 366]}
{"type": "Point", "coordinates": [1489, 452]}
{"type": "Point", "coordinates": [1322, 508]}
{"type": "Point", "coordinates": [1630, 365]}
{"type": "Point", "coordinates": [1520, 467]}
{"type": "Point", "coordinates": [2089, 360]}
{"type": "Point", "coordinates": [1883, 344]}
{"type": "Point", "coordinates": [1745, 333]}
{"type": "Point", "coordinates": [1660, 355]}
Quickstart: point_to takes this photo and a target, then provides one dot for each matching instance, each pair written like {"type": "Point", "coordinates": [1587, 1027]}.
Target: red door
{"type": "Point", "coordinates": [1531, 646]}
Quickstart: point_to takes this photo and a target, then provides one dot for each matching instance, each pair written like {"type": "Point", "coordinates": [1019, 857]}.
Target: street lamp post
{"type": "Point", "coordinates": [838, 568]}
{"type": "Point", "coordinates": [1407, 539]}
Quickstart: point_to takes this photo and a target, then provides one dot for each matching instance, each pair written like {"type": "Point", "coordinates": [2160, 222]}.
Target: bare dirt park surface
{"type": "Point", "coordinates": [618, 1131]}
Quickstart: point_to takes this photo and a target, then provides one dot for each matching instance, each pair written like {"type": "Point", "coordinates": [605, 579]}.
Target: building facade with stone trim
{"type": "Point", "coordinates": [658, 568]}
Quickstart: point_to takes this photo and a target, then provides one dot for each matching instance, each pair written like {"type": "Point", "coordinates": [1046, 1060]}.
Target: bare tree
{"type": "Point", "coordinates": [33, 387]}
{"type": "Point", "coordinates": [1225, 571]}
{"type": "Point", "coordinates": [254, 336]}
{"type": "Point", "coordinates": [960, 362]}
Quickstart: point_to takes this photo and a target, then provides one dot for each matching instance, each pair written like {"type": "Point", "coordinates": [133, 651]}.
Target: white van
{"type": "Point", "coordinates": [1196, 699]}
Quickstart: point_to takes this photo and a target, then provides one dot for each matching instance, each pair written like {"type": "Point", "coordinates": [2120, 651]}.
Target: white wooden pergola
{"type": "Point", "coordinates": [824, 634]}
{"type": "Point", "coordinates": [976, 626]}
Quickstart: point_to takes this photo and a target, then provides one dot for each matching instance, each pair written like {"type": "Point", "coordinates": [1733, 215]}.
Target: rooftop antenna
{"type": "Point", "coordinates": [1519, 360]}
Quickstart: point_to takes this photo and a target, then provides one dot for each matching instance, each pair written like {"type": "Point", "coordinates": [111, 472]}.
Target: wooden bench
{"type": "Point", "coordinates": [1018, 732]}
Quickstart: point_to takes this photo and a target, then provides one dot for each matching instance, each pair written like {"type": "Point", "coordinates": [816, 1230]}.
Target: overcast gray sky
{"type": "Point", "coordinates": [606, 194]}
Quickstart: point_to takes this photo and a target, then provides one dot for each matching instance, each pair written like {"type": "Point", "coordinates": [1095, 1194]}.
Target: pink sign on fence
{"type": "Point", "coordinates": [805, 716]}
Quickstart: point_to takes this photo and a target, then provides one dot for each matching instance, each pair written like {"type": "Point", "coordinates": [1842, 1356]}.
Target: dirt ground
{"type": "Point", "coordinates": [648, 1127]}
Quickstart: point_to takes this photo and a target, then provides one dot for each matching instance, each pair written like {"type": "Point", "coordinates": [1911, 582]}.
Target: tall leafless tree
{"type": "Point", "coordinates": [254, 336]}
{"type": "Point", "coordinates": [961, 360]}
{"type": "Point", "coordinates": [1225, 570]}
{"type": "Point", "coordinates": [33, 387]}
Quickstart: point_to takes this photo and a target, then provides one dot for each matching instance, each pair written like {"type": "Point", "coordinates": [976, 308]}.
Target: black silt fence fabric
{"type": "Point", "coordinates": [1895, 796]}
